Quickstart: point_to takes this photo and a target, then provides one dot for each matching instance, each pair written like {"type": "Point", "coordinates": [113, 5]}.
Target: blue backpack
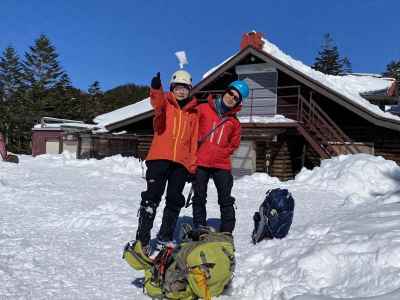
{"type": "Point", "coordinates": [275, 216]}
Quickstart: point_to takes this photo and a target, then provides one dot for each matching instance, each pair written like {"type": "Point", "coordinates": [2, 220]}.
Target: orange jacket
{"type": "Point", "coordinates": [175, 130]}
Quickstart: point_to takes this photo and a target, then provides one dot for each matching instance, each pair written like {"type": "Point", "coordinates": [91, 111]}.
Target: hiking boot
{"type": "Point", "coordinates": [189, 233]}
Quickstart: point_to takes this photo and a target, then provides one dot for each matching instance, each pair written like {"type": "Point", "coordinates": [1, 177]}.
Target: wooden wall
{"type": "Point", "coordinates": [40, 137]}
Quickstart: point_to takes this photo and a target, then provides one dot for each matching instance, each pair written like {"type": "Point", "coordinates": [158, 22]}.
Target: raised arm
{"type": "Point", "coordinates": [157, 98]}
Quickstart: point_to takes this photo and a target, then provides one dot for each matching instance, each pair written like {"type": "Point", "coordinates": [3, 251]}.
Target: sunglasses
{"type": "Point", "coordinates": [232, 94]}
{"type": "Point", "coordinates": [181, 88]}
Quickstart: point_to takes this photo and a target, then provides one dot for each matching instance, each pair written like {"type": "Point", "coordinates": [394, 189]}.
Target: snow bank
{"type": "Point", "coordinates": [359, 178]}
{"type": "Point", "coordinates": [64, 223]}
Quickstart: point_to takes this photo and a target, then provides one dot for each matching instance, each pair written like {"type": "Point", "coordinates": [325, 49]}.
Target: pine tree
{"type": "Point", "coordinates": [94, 103]}
{"type": "Point", "coordinates": [11, 84]}
{"type": "Point", "coordinates": [64, 82]}
{"type": "Point", "coordinates": [329, 61]}
{"type": "Point", "coordinates": [393, 71]}
{"type": "Point", "coordinates": [346, 65]}
{"type": "Point", "coordinates": [11, 74]}
{"type": "Point", "coordinates": [41, 66]}
{"type": "Point", "coordinates": [95, 89]}
{"type": "Point", "coordinates": [124, 95]}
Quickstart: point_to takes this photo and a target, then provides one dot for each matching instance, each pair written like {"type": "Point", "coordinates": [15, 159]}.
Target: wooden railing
{"type": "Point", "coordinates": [323, 134]}
{"type": "Point", "coordinates": [323, 129]}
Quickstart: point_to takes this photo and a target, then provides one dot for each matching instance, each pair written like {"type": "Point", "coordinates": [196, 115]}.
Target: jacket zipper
{"type": "Point", "coordinates": [184, 128]}
{"type": "Point", "coordinates": [174, 128]}
{"type": "Point", "coordinates": [212, 134]}
{"type": "Point", "coordinates": [177, 135]}
{"type": "Point", "coordinates": [220, 135]}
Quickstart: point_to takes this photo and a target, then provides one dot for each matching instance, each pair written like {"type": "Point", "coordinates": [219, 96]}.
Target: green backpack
{"type": "Point", "coordinates": [194, 269]}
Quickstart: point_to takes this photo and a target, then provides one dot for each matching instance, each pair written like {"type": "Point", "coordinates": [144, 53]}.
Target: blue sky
{"type": "Point", "coordinates": [121, 41]}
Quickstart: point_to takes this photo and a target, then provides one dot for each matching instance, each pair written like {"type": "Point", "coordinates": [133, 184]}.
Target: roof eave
{"type": "Point", "coordinates": [129, 121]}
{"type": "Point", "coordinates": [337, 97]}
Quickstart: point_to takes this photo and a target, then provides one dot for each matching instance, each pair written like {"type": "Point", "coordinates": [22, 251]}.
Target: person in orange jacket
{"type": "Point", "coordinates": [219, 137]}
{"type": "Point", "coordinates": [171, 158]}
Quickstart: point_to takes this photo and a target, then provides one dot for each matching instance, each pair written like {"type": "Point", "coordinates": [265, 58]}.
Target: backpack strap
{"type": "Point", "coordinates": [204, 137]}
{"type": "Point", "coordinates": [201, 279]}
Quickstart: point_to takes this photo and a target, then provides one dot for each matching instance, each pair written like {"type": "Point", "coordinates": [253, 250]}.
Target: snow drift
{"type": "Point", "coordinates": [64, 223]}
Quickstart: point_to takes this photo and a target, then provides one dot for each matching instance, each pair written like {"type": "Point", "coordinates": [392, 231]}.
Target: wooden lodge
{"type": "Point", "coordinates": [295, 116]}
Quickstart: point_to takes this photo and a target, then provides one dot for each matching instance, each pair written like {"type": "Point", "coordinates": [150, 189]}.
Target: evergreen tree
{"type": "Point", "coordinates": [393, 69]}
{"type": "Point", "coordinates": [95, 89]}
{"type": "Point", "coordinates": [41, 66]}
{"type": "Point", "coordinates": [329, 61]}
{"type": "Point", "coordinates": [93, 104]}
{"type": "Point", "coordinates": [124, 95]}
{"type": "Point", "coordinates": [346, 65]}
{"type": "Point", "coordinates": [11, 78]}
{"type": "Point", "coordinates": [64, 82]}
{"type": "Point", "coordinates": [11, 74]}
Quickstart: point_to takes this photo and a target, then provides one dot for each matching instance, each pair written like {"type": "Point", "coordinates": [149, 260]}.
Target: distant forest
{"type": "Point", "coordinates": [37, 86]}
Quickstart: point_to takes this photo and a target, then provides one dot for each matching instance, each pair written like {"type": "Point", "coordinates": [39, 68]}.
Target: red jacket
{"type": "Point", "coordinates": [216, 149]}
{"type": "Point", "coordinates": [175, 130]}
{"type": "Point", "coordinates": [3, 151]}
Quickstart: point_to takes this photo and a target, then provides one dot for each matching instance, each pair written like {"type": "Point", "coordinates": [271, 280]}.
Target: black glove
{"type": "Point", "coordinates": [156, 82]}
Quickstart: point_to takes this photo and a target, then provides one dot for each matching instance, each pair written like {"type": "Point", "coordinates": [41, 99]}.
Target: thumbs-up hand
{"type": "Point", "coordinates": [156, 82]}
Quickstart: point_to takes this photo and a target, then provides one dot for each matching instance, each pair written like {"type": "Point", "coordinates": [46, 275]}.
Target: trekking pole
{"type": "Point", "coordinates": [189, 197]}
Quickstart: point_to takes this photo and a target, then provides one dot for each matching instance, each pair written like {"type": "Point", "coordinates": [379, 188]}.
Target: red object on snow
{"type": "Point", "coordinates": [253, 39]}
{"type": "Point", "coordinates": [3, 151]}
{"type": "Point", "coordinates": [392, 91]}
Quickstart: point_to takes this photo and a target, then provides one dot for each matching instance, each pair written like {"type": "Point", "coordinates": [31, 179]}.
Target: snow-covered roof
{"type": "Point", "coordinates": [63, 125]}
{"type": "Point", "coordinates": [49, 123]}
{"type": "Point", "coordinates": [265, 120]}
{"type": "Point", "coordinates": [123, 113]}
{"type": "Point", "coordinates": [349, 86]}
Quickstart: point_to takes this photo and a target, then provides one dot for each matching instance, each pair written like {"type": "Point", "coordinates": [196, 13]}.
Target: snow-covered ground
{"type": "Point", "coordinates": [64, 222]}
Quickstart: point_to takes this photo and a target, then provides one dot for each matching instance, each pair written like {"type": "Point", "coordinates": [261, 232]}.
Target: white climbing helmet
{"type": "Point", "coordinates": [181, 77]}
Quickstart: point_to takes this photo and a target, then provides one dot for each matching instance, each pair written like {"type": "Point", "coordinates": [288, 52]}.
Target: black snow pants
{"type": "Point", "coordinates": [158, 173]}
{"type": "Point", "coordinates": [223, 181]}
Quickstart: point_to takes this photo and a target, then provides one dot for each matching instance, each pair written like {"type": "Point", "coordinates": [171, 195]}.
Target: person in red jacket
{"type": "Point", "coordinates": [219, 137]}
{"type": "Point", "coordinates": [171, 157]}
